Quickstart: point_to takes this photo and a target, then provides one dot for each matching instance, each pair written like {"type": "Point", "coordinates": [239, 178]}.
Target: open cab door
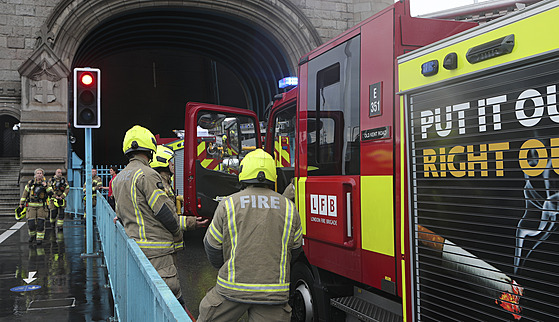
{"type": "Point", "coordinates": [281, 137]}
{"type": "Point", "coordinates": [216, 139]}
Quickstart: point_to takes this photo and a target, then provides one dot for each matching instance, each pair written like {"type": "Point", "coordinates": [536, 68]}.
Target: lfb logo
{"type": "Point", "coordinates": [324, 205]}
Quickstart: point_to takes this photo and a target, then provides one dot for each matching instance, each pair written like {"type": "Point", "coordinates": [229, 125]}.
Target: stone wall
{"type": "Point", "coordinates": [20, 21]}
{"type": "Point", "coordinates": [34, 81]}
{"type": "Point", "coordinates": [20, 25]}
{"type": "Point", "coordinates": [330, 18]}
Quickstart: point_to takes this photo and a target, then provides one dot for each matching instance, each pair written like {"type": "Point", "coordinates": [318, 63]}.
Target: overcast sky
{"type": "Point", "coordinates": [421, 7]}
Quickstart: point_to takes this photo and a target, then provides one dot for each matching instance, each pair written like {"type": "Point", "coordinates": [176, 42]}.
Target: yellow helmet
{"type": "Point", "coordinates": [138, 138]}
{"type": "Point", "coordinates": [258, 167]}
{"type": "Point", "coordinates": [20, 213]}
{"type": "Point", "coordinates": [162, 157]}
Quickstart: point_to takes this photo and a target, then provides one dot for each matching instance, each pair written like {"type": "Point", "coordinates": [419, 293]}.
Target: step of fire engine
{"type": "Point", "coordinates": [366, 306]}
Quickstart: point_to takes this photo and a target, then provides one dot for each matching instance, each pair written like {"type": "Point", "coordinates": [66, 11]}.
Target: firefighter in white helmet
{"type": "Point", "coordinates": [163, 163]}
{"type": "Point", "coordinates": [144, 208]}
{"type": "Point", "coordinates": [252, 238]}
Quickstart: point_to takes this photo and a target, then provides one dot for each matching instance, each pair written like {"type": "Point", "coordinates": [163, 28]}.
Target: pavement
{"type": "Point", "coordinates": [51, 282]}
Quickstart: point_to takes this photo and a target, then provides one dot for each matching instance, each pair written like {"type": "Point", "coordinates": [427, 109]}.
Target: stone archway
{"type": "Point", "coordinates": [281, 19]}
{"type": "Point", "coordinates": [45, 75]}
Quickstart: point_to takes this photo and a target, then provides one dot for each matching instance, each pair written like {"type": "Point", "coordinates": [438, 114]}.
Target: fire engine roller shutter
{"type": "Point", "coordinates": [179, 171]}
{"type": "Point", "coordinates": [485, 194]}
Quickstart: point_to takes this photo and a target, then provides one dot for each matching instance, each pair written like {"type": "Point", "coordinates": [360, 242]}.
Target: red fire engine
{"type": "Point", "coordinates": [382, 242]}
{"type": "Point", "coordinates": [337, 136]}
{"type": "Point", "coordinates": [344, 119]}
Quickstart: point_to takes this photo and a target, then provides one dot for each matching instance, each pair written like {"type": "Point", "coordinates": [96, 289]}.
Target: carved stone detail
{"type": "Point", "coordinates": [44, 36]}
{"type": "Point", "coordinates": [43, 84]}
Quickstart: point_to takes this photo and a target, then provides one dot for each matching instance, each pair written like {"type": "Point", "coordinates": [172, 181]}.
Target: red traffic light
{"type": "Point", "coordinates": [86, 79]}
{"type": "Point", "coordinates": [87, 97]}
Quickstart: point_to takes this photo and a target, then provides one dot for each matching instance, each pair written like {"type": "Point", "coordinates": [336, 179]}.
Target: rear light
{"type": "Point", "coordinates": [199, 203]}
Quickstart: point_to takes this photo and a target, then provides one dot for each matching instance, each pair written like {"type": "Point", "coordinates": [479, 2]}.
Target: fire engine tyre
{"type": "Point", "coordinates": [302, 297]}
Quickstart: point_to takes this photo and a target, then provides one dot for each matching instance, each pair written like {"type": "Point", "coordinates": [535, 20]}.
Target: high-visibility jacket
{"type": "Point", "coordinates": [139, 196]}
{"type": "Point", "coordinates": [60, 186]}
{"type": "Point", "coordinates": [256, 229]}
{"type": "Point", "coordinates": [36, 193]}
{"type": "Point", "coordinates": [96, 184]}
{"type": "Point", "coordinates": [185, 222]}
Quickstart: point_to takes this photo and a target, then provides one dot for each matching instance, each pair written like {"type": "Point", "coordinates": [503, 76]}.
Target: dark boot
{"type": "Point", "coordinates": [32, 229]}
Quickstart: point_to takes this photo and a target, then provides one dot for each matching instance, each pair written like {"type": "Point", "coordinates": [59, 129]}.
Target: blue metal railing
{"type": "Point", "coordinates": [74, 203]}
{"type": "Point", "coordinates": [139, 293]}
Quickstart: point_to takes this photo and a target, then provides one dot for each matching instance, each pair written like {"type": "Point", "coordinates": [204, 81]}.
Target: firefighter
{"type": "Point", "coordinates": [252, 238]}
{"type": "Point", "coordinates": [96, 184]}
{"type": "Point", "coordinates": [163, 164]}
{"type": "Point", "coordinates": [36, 194]}
{"type": "Point", "coordinates": [57, 202]}
{"type": "Point", "coordinates": [144, 208]}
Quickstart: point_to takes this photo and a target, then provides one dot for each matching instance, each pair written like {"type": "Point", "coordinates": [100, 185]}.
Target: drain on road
{"type": "Point", "coordinates": [51, 304]}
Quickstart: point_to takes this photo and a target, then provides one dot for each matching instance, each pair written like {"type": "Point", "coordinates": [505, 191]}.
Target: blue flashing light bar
{"type": "Point", "coordinates": [287, 81]}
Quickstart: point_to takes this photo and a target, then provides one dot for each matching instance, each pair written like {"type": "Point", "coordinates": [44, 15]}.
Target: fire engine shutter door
{"type": "Point", "coordinates": [179, 171]}
{"type": "Point", "coordinates": [484, 186]}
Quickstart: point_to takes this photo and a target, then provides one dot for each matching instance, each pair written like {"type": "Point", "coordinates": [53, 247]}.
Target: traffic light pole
{"type": "Point", "coordinates": [87, 115]}
{"type": "Point", "coordinates": [88, 194]}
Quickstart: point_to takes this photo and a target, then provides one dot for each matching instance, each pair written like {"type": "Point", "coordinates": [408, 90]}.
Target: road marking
{"type": "Point", "coordinates": [30, 277]}
{"type": "Point", "coordinates": [25, 288]}
{"type": "Point", "coordinates": [11, 231]}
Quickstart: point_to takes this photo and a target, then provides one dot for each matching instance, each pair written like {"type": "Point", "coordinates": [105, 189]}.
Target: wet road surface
{"type": "Point", "coordinates": [196, 273]}
{"type": "Point", "coordinates": [67, 279]}
{"type": "Point", "coordinates": [71, 288]}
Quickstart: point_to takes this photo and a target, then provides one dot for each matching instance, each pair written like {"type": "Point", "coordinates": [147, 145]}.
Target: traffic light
{"type": "Point", "coordinates": [87, 98]}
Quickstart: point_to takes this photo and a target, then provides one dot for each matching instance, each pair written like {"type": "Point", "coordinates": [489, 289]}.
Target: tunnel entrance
{"type": "Point", "coordinates": [153, 61]}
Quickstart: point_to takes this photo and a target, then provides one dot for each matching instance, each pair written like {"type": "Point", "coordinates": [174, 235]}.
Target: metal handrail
{"type": "Point", "coordinates": [138, 291]}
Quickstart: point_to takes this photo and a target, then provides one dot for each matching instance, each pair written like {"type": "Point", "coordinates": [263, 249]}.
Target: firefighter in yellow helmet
{"type": "Point", "coordinates": [36, 194]}
{"type": "Point", "coordinates": [57, 203]}
{"type": "Point", "coordinates": [163, 163]}
{"type": "Point", "coordinates": [252, 238]}
{"type": "Point", "coordinates": [144, 208]}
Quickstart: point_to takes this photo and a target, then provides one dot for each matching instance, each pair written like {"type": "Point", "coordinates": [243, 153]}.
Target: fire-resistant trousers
{"type": "Point", "coordinates": [57, 215]}
{"type": "Point", "coordinates": [165, 266]}
{"type": "Point", "coordinates": [216, 308]}
{"type": "Point", "coordinates": [36, 221]}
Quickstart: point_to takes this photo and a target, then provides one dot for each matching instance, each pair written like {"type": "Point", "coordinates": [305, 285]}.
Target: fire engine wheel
{"type": "Point", "coordinates": [302, 294]}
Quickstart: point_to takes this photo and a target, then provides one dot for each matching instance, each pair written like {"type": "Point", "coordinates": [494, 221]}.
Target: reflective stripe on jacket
{"type": "Point", "coordinates": [139, 196]}
{"type": "Point", "coordinates": [256, 229]}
